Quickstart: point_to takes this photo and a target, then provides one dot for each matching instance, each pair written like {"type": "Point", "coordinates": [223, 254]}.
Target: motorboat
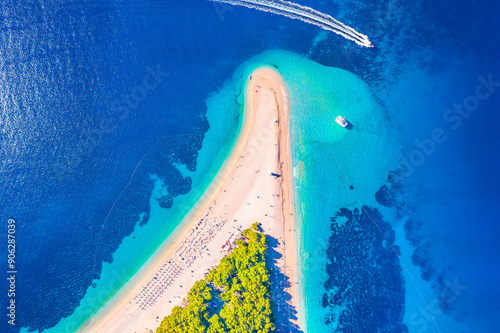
{"type": "Point", "coordinates": [341, 121]}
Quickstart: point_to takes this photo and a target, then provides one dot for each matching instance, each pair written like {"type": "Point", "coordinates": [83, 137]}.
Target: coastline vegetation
{"type": "Point", "coordinates": [233, 297]}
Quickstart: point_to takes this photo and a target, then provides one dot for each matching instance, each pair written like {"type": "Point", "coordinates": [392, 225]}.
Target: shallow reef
{"type": "Point", "coordinates": [365, 286]}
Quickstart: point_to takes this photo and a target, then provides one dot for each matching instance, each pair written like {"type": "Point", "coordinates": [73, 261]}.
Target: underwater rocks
{"type": "Point", "coordinates": [421, 256]}
{"type": "Point", "coordinates": [365, 286]}
{"type": "Point", "coordinates": [388, 195]}
{"type": "Point", "coordinates": [179, 185]}
{"type": "Point", "coordinates": [166, 201]}
{"type": "Point", "coordinates": [385, 197]}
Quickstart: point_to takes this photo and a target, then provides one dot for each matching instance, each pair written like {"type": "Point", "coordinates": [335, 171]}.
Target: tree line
{"type": "Point", "coordinates": [234, 296]}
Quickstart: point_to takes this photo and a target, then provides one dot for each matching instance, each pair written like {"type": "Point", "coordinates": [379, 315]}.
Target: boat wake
{"type": "Point", "coordinates": [305, 14]}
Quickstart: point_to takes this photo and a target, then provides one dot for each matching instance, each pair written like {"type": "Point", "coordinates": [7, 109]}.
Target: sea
{"type": "Point", "coordinates": [116, 116]}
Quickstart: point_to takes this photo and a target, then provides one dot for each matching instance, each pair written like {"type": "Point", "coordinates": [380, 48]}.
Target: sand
{"type": "Point", "coordinates": [242, 193]}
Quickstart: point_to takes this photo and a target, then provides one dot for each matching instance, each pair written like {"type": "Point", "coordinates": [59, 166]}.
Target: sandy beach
{"type": "Point", "coordinates": [243, 192]}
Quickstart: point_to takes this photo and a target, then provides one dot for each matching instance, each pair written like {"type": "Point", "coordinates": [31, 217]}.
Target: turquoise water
{"type": "Point", "coordinates": [327, 159]}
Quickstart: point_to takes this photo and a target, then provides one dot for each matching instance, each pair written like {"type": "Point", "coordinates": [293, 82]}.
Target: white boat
{"type": "Point", "coordinates": [341, 121]}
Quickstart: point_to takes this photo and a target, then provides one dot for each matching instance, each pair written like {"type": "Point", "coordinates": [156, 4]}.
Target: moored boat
{"type": "Point", "coordinates": [341, 121]}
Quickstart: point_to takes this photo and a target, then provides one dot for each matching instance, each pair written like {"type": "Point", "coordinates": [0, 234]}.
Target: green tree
{"type": "Point", "coordinates": [242, 281]}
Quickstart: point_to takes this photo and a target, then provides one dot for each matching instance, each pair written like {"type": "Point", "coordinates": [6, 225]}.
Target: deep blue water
{"type": "Point", "coordinates": [71, 141]}
{"type": "Point", "coordinates": [76, 123]}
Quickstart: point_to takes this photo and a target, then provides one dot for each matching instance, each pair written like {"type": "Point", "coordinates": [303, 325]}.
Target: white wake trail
{"type": "Point", "coordinates": [305, 14]}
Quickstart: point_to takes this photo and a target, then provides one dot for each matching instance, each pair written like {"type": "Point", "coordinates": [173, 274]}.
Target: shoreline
{"type": "Point", "coordinates": [250, 153]}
